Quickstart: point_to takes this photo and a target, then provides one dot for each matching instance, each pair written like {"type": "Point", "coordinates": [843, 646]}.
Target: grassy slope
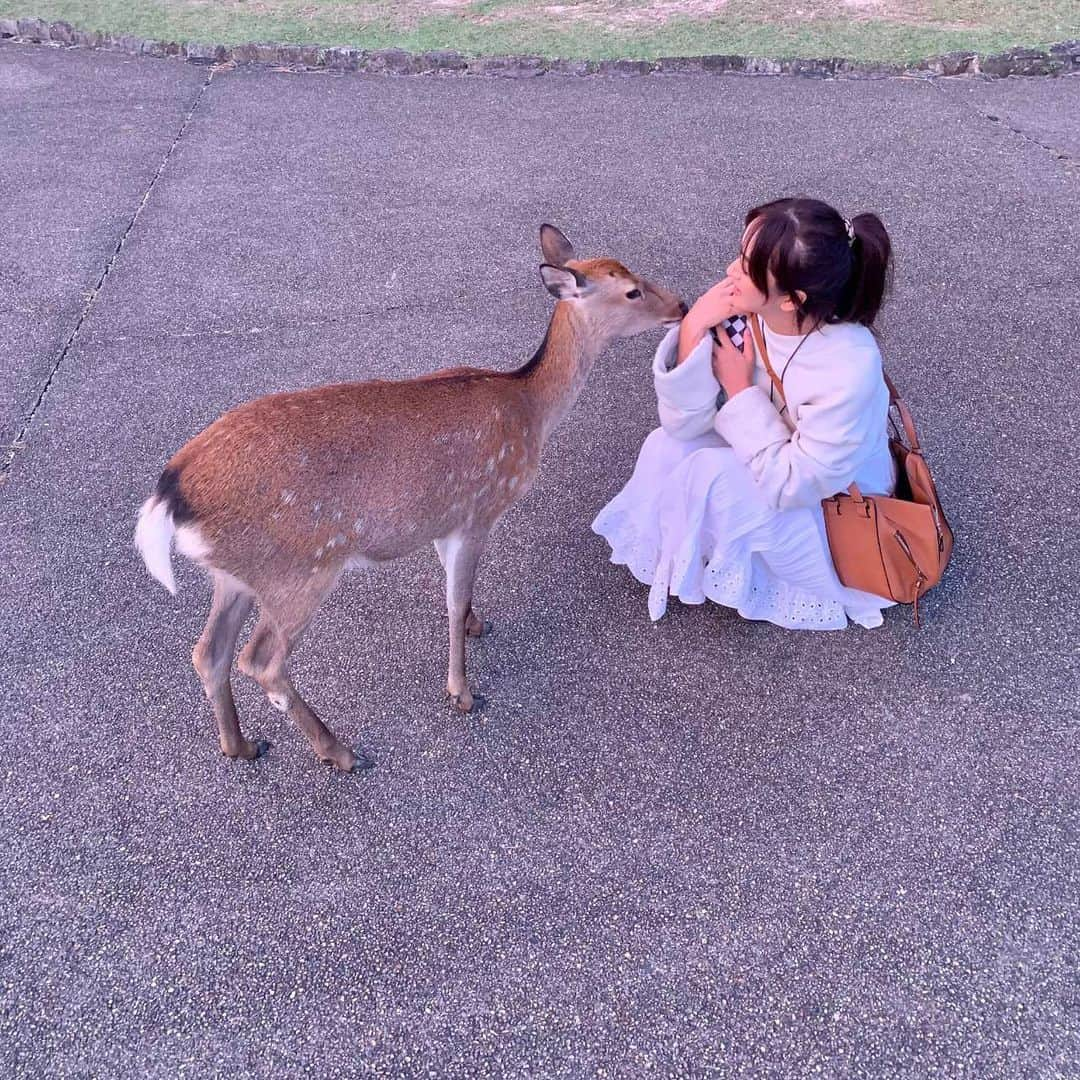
{"type": "Point", "coordinates": [748, 27]}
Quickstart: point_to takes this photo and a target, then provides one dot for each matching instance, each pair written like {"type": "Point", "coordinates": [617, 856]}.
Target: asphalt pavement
{"type": "Point", "coordinates": [704, 847]}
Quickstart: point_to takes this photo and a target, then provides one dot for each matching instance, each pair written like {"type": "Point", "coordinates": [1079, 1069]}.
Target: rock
{"type": "Point", "coordinates": [817, 69]}
{"type": "Point", "coordinates": [719, 64]}
{"type": "Point", "coordinates": [1021, 62]}
{"type": "Point", "coordinates": [392, 61]}
{"type": "Point", "coordinates": [954, 63]}
{"type": "Point", "coordinates": [683, 65]}
{"type": "Point", "coordinates": [339, 58]}
{"type": "Point", "coordinates": [200, 53]}
{"type": "Point", "coordinates": [63, 32]}
{"type": "Point", "coordinates": [1068, 54]}
{"type": "Point", "coordinates": [573, 67]}
{"type": "Point", "coordinates": [513, 67]}
{"type": "Point", "coordinates": [88, 39]}
{"type": "Point", "coordinates": [868, 69]}
{"type": "Point", "coordinates": [245, 53]}
{"type": "Point", "coordinates": [8, 28]}
{"type": "Point", "coordinates": [127, 43]}
{"type": "Point", "coordinates": [763, 65]}
{"type": "Point", "coordinates": [625, 67]}
{"type": "Point", "coordinates": [33, 29]}
{"type": "Point", "coordinates": [443, 60]}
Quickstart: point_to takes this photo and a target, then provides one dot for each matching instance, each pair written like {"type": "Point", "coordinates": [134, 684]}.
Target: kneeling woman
{"type": "Point", "coordinates": [725, 500]}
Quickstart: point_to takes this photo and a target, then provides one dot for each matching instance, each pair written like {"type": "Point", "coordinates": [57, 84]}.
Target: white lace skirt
{"type": "Point", "coordinates": [691, 523]}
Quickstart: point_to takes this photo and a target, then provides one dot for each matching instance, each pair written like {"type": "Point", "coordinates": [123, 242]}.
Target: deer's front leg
{"type": "Point", "coordinates": [460, 556]}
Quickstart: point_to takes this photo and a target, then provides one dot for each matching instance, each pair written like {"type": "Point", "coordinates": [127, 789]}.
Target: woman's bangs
{"type": "Point", "coordinates": [767, 252]}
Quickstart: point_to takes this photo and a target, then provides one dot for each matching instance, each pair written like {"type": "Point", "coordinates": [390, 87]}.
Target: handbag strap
{"type": "Point", "coordinates": [906, 418]}
{"type": "Point", "coordinates": [759, 342]}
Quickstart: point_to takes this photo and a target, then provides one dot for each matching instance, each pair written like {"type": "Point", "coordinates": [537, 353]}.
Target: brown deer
{"type": "Point", "coordinates": [282, 495]}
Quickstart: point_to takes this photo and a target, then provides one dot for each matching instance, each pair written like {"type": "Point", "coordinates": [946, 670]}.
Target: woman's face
{"type": "Point", "coordinates": [751, 300]}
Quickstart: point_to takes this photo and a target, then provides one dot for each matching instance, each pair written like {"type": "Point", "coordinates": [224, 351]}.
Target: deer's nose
{"type": "Point", "coordinates": [683, 308]}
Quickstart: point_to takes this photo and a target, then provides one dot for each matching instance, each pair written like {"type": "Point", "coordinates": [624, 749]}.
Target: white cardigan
{"type": "Point", "coordinates": [834, 430]}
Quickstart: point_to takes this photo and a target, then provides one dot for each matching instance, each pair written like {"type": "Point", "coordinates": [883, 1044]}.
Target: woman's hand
{"type": "Point", "coordinates": [710, 309]}
{"type": "Point", "coordinates": [734, 370]}
{"type": "Point", "coordinates": [713, 307]}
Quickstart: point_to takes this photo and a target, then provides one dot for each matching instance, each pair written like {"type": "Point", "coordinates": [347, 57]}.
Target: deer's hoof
{"type": "Point", "coordinates": [247, 750]}
{"type": "Point", "coordinates": [345, 760]}
{"type": "Point", "coordinates": [467, 702]}
{"type": "Point", "coordinates": [362, 762]}
{"type": "Point", "coordinates": [477, 628]}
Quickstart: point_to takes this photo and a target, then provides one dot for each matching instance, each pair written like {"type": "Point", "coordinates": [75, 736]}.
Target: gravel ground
{"type": "Point", "coordinates": [701, 847]}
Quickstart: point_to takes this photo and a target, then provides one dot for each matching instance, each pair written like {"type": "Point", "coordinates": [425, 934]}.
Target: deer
{"type": "Point", "coordinates": [282, 495]}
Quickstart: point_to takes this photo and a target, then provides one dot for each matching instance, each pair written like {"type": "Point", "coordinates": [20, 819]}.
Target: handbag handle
{"type": "Point", "coordinates": [905, 413]}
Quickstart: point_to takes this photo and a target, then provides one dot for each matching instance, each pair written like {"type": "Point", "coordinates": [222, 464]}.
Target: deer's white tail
{"type": "Point", "coordinates": [154, 539]}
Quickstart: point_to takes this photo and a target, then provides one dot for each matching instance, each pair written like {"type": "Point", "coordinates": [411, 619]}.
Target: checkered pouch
{"type": "Point", "coordinates": [736, 329]}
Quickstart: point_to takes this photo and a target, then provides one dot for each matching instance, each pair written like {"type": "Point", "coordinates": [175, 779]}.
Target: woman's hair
{"type": "Point", "coordinates": [806, 246]}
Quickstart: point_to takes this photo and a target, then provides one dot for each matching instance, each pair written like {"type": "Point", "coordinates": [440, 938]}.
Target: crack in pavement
{"type": "Point", "coordinates": [90, 297]}
{"type": "Point", "coordinates": [1056, 152]}
{"type": "Point", "coordinates": [1071, 164]}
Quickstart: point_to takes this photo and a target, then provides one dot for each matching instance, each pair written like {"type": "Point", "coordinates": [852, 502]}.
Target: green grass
{"type": "Point", "coordinates": [591, 29]}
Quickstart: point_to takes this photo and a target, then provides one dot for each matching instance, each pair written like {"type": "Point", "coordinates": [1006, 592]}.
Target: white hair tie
{"type": "Point", "coordinates": [850, 232]}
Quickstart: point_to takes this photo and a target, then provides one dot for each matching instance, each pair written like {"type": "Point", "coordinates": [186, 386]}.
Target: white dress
{"type": "Point", "coordinates": [725, 500]}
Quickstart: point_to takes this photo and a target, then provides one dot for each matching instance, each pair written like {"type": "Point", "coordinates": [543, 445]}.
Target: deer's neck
{"type": "Point", "coordinates": [559, 370]}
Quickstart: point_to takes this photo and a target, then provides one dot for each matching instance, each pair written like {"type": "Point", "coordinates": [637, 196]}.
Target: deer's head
{"type": "Point", "coordinates": [614, 299]}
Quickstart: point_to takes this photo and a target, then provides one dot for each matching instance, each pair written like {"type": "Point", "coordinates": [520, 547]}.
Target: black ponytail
{"type": "Point", "coordinates": [872, 251]}
{"type": "Point", "coordinates": [807, 247]}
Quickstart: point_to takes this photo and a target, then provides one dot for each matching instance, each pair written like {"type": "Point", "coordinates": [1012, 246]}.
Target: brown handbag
{"type": "Point", "coordinates": [894, 546]}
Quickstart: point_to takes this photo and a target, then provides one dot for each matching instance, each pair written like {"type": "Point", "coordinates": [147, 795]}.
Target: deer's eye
{"type": "Point", "coordinates": [634, 294]}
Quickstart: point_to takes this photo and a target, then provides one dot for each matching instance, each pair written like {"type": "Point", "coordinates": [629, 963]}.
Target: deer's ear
{"type": "Point", "coordinates": [556, 248]}
{"type": "Point", "coordinates": [563, 283]}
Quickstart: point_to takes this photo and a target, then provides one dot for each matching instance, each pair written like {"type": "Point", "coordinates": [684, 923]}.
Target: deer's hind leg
{"type": "Point", "coordinates": [474, 625]}
{"type": "Point", "coordinates": [266, 659]}
{"type": "Point", "coordinates": [255, 655]}
{"type": "Point", "coordinates": [213, 657]}
{"type": "Point", "coordinates": [461, 556]}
